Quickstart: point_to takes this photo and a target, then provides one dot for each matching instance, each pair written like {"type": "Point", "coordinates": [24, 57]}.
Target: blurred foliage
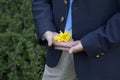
{"type": "Point", "coordinates": [21, 57]}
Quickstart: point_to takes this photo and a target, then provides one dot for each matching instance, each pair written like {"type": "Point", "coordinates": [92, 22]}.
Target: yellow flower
{"type": "Point", "coordinates": [62, 36]}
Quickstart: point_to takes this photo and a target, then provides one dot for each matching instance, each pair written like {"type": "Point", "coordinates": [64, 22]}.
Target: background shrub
{"type": "Point", "coordinates": [21, 57]}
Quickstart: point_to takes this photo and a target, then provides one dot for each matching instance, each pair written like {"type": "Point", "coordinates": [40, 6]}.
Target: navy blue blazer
{"type": "Point", "coordinates": [96, 23]}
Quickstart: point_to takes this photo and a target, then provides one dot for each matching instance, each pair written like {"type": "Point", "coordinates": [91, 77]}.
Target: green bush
{"type": "Point", "coordinates": [21, 57]}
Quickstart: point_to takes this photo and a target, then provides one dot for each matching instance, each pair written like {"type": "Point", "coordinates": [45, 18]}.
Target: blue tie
{"type": "Point", "coordinates": [68, 26]}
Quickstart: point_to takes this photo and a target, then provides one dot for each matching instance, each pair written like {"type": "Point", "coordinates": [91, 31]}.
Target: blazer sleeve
{"type": "Point", "coordinates": [43, 18]}
{"type": "Point", "coordinates": [104, 38]}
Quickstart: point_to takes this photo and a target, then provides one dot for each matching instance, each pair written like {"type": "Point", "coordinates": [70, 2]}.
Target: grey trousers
{"type": "Point", "coordinates": [63, 71]}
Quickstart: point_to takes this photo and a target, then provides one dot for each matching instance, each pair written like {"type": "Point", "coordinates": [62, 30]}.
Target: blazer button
{"type": "Point", "coordinates": [102, 54]}
{"type": "Point", "coordinates": [97, 56]}
{"type": "Point", "coordinates": [65, 2]}
{"type": "Point", "coordinates": [62, 19]}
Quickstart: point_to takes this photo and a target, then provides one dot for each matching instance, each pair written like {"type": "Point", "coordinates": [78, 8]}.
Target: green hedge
{"type": "Point", "coordinates": [21, 57]}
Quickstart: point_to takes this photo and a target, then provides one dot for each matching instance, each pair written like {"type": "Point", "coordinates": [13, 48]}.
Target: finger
{"type": "Point", "coordinates": [74, 49]}
{"type": "Point", "coordinates": [71, 50]}
{"type": "Point", "coordinates": [48, 35]}
{"type": "Point", "coordinates": [62, 48]}
{"type": "Point", "coordinates": [50, 42]}
{"type": "Point", "coordinates": [64, 44]}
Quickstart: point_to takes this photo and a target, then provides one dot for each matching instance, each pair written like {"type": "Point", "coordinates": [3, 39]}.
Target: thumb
{"type": "Point", "coordinates": [50, 42]}
{"type": "Point", "coordinates": [72, 49]}
{"type": "Point", "coordinates": [49, 37]}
